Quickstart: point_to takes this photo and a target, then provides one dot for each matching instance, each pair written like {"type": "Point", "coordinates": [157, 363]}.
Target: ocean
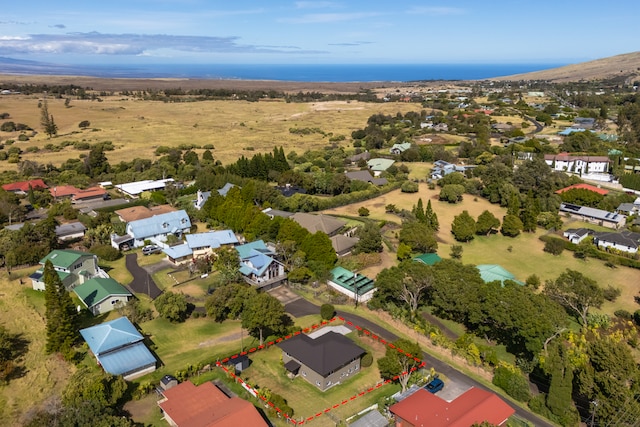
{"type": "Point", "coordinates": [299, 73]}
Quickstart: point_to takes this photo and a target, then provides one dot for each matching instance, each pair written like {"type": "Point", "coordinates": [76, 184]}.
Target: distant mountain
{"type": "Point", "coordinates": [23, 66]}
{"type": "Point", "coordinates": [625, 67]}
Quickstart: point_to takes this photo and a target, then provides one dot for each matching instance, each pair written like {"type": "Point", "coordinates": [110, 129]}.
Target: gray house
{"type": "Point", "coordinates": [324, 361]}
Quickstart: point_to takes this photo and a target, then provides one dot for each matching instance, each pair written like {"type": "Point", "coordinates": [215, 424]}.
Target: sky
{"type": "Point", "coordinates": [317, 32]}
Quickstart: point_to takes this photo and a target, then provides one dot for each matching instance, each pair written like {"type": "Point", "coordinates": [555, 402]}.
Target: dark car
{"type": "Point", "coordinates": [151, 249]}
{"type": "Point", "coordinates": [434, 386]}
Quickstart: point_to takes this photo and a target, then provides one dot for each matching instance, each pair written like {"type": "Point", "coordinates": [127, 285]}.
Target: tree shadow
{"type": "Point", "coordinates": [18, 347]}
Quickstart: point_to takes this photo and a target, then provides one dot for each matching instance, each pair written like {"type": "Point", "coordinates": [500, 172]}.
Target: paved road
{"type": "Point", "coordinates": [302, 307]}
{"type": "Point", "coordinates": [142, 281]}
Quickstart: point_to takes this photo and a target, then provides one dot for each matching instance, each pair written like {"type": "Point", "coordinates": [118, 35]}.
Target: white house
{"type": "Point", "coordinates": [565, 162]}
{"type": "Point", "coordinates": [577, 235]}
{"type": "Point", "coordinates": [134, 189]}
{"type": "Point", "coordinates": [73, 267]}
{"type": "Point", "coordinates": [625, 241]}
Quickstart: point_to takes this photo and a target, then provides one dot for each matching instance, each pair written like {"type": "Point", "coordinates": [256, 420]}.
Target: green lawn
{"type": "Point", "coordinates": [305, 399]}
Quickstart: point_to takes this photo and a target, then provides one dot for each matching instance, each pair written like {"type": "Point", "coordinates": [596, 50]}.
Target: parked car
{"type": "Point", "coordinates": [435, 385]}
{"type": "Point", "coordinates": [151, 249]}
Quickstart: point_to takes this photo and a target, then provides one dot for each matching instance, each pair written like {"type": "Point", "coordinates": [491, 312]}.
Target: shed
{"type": "Point", "coordinates": [240, 363]}
{"type": "Point", "coordinates": [428, 259]}
{"type": "Point", "coordinates": [493, 272]}
{"type": "Point", "coordinates": [168, 381]}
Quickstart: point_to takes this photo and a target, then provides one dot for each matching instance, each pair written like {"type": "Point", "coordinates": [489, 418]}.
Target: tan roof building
{"type": "Point", "coordinates": [136, 213]}
{"type": "Point", "coordinates": [326, 224]}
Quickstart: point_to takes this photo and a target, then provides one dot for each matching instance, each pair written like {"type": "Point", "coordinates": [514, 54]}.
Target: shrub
{"type": "Point", "coordinates": [32, 149]}
{"type": "Point", "coordinates": [362, 211]}
{"type": "Point", "coordinates": [106, 252]}
{"type": "Point", "coordinates": [327, 311]}
{"type": "Point", "coordinates": [409, 187]}
{"type": "Point", "coordinates": [512, 382]}
{"type": "Point", "coordinates": [554, 247]}
{"type": "Point", "coordinates": [367, 360]}
{"type": "Point", "coordinates": [84, 124]}
{"type": "Point", "coordinates": [611, 294]}
{"type": "Point", "coordinates": [636, 317]}
{"type": "Point", "coordinates": [22, 137]}
{"type": "Point", "coordinates": [623, 314]}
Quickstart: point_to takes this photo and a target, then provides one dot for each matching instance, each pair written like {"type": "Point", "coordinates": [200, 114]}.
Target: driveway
{"type": "Point", "coordinates": [457, 382]}
{"type": "Point", "coordinates": [142, 281]}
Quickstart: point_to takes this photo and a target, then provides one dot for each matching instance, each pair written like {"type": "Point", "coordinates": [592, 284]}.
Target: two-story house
{"type": "Point", "coordinates": [155, 229]}
{"type": "Point", "coordinates": [73, 267]}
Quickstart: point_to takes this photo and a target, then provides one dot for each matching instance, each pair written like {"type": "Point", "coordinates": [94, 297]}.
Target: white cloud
{"type": "Point", "coordinates": [133, 44]}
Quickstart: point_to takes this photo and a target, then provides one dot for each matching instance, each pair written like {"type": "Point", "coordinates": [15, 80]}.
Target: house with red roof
{"type": "Point", "coordinates": [77, 195]}
{"type": "Point", "coordinates": [583, 186]}
{"type": "Point", "coordinates": [22, 187]}
{"type": "Point", "coordinates": [186, 405]}
{"type": "Point", "coordinates": [424, 409]}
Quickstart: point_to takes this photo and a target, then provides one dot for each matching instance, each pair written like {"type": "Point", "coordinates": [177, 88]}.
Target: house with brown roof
{"type": "Point", "coordinates": [365, 176]}
{"type": "Point", "coordinates": [186, 405]}
{"type": "Point", "coordinates": [22, 187]}
{"type": "Point", "coordinates": [323, 361]}
{"type": "Point", "coordinates": [325, 223]}
{"type": "Point", "coordinates": [425, 409]}
{"type": "Point", "coordinates": [135, 213]}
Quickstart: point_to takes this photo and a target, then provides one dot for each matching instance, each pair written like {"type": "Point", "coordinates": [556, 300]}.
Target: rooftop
{"type": "Point", "coordinates": [24, 185]}
{"type": "Point", "coordinates": [352, 281]}
{"type": "Point", "coordinates": [494, 272]}
{"type": "Point", "coordinates": [138, 187]}
{"type": "Point", "coordinates": [324, 354]}
{"type": "Point", "coordinates": [313, 223]}
{"type": "Point", "coordinates": [96, 290]}
{"type": "Point", "coordinates": [64, 258]}
{"type": "Point", "coordinates": [135, 213]}
{"type": "Point", "coordinates": [473, 406]}
{"type": "Point", "coordinates": [583, 186]}
{"type": "Point", "coordinates": [207, 406]}
{"type": "Point", "coordinates": [428, 259]}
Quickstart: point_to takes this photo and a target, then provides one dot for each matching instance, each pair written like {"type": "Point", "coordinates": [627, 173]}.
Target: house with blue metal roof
{"type": "Point", "coordinates": [199, 245]}
{"type": "Point", "coordinates": [119, 348]}
{"type": "Point", "coordinates": [258, 265]}
{"type": "Point", "coordinates": [203, 196]}
{"type": "Point", "coordinates": [156, 229]}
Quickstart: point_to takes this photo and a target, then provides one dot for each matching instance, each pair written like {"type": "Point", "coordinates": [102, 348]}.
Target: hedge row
{"type": "Point", "coordinates": [595, 253]}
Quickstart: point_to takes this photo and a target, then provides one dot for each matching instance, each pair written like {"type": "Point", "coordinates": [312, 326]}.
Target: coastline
{"type": "Point", "coordinates": [116, 84]}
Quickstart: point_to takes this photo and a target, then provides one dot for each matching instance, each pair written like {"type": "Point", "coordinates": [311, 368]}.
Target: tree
{"type": "Point", "coordinates": [400, 361]}
{"type": "Point", "coordinates": [456, 251]}
{"type": "Point", "coordinates": [84, 124]}
{"type": "Point", "coordinates": [511, 226]}
{"type": "Point", "coordinates": [370, 239]}
{"type": "Point", "coordinates": [46, 120]}
{"type": "Point", "coordinates": [554, 246]}
{"type": "Point", "coordinates": [463, 227]}
{"type": "Point", "coordinates": [263, 313]}
{"type": "Point", "coordinates": [431, 219]}
{"type": "Point", "coordinates": [418, 236]}
{"type": "Point", "coordinates": [576, 293]}
{"type": "Point", "coordinates": [418, 212]}
{"type": "Point", "coordinates": [487, 223]}
{"type": "Point", "coordinates": [96, 162]}
{"type": "Point", "coordinates": [363, 211]}
{"type": "Point", "coordinates": [60, 314]}
{"type": "Point", "coordinates": [227, 301]}
{"type": "Point", "coordinates": [327, 311]}
{"type": "Point", "coordinates": [227, 262]}
{"type": "Point", "coordinates": [452, 193]}
{"type": "Point", "coordinates": [558, 365]}
{"type": "Point", "coordinates": [172, 306]}
{"type": "Point", "coordinates": [406, 284]}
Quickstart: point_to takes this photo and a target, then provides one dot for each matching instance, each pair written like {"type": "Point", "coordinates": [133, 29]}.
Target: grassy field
{"type": "Point", "coordinates": [22, 311]}
{"type": "Point", "coordinates": [522, 256]}
{"type": "Point", "coordinates": [137, 128]}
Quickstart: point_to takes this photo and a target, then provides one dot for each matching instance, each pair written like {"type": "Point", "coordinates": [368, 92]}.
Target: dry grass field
{"type": "Point", "coordinates": [137, 128]}
{"type": "Point", "coordinates": [22, 311]}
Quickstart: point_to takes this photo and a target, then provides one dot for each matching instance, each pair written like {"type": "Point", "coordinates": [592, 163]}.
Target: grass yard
{"type": "Point", "coordinates": [137, 127]}
{"type": "Point", "coordinates": [305, 399]}
{"type": "Point", "coordinates": [44, 377]}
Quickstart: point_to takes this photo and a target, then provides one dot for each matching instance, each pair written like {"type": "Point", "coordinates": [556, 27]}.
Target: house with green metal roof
{"type": "Point", "coordinates": [379, 165]}
{"type": "Point", "coordinates": [356, 286]}
{"type": "Point", "coordinates": [119, 348]}
{"type": "Point", "coordinates": [73, 267]}
{"type": "Point", "coordinates": [101, 295]}
{"type": "Point", "coordinates": [428, 259]}
{"type": "Point", "coordinates": [495, 272]}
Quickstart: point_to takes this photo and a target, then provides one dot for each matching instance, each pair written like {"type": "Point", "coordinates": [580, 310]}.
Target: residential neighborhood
{"type": "Point", "coordinates": [450, 255]}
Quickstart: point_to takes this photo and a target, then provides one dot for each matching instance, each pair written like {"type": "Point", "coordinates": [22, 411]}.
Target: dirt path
{"type": "Point", "coordinates": [234, 336]}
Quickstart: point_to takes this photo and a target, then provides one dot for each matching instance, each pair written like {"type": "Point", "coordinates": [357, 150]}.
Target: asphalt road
{"type": "Point", "coordinates": [142, 281]}
{"type": "Point", "coordinates": [302, 307]}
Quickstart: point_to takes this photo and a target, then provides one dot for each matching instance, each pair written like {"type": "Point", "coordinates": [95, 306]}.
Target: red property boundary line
{"type": "Point", "coordinates": [221, 364]}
